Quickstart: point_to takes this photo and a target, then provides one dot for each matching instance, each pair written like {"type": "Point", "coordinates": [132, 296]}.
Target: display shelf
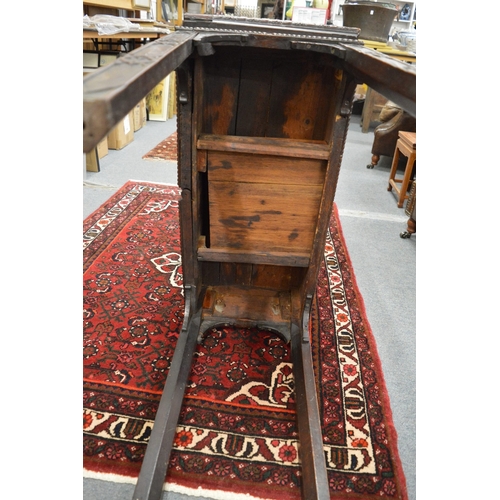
{"type": "Point", "coordinates": [406, 13]}
{"type": "Point", "coordinates": [118, 4]}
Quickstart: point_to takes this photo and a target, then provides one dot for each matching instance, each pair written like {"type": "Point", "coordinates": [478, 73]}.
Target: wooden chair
{"type": "Point", "coordinates": [263, 111]}
{"type": "Point", "coordinates": [407, 146]}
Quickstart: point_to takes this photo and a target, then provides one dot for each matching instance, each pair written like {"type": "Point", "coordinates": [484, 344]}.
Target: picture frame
{"type": "Point", "coordinates": [405, 12]}
{"type": "Point", "coordinates": [93, 59]}
{"type": "Point", "coordinates": [267, 10]}
{"type": "Point", "coordinates": [157, 101]}
{"type": "Point", "coordinates": [309, 15]}
{"type": "Point", "coordinates": [90, 59]}
{"type": "Point", "coordinates": [107, 58]}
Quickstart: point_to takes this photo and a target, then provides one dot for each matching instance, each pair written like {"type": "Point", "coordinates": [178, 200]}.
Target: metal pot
{"type": "Point", "coordinates": [374, 19]}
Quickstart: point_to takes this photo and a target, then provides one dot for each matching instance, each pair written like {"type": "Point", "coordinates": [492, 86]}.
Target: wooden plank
{"type": "Point", "coordinates": [245, 167]}
{"type": "Point", "coordinates": [338, 140]}
{"type": "Point", "coordinates": [233, 273]}
{"type": "Point", "coordinates": [189, 263]}
{"type": "Point", "coordinates": [243, 274]}
{"type": "Point", "coordinates": [201, 161]}
{"type": "Point", "coordinates": [217, 255]}
{"type": "Point", "coordinates": [210, 273]}
{"type": "Point", "coordinates": [253, 103]}
{"type": "Point", "coordinates": [257, 217]}
{"type": "Point", "coordinates": [395, 80]}
{"type": "Point", "coordinates": [300, 90]}
{"type": "Point", "coordinates": [277, 277]}
{"type": "Point", "coordinates": [220, 94]}
{"type": "Point", "coordinates": [110, 92]}
{"type": "Point", "coordinates": [184, 81]}
{"type": "Point", "coordinates": [295, 148]}
{"type": "Point", "coordinates": [247, 306]}
{"type": "Point", "coordinates": [253, 25]}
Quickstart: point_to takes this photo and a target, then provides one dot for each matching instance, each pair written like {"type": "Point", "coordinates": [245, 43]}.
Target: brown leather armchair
{"type": "Point", "coordinates": [386, 134]}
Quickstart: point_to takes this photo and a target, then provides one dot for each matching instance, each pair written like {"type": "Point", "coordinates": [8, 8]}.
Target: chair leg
{"type": "Point", "coordinates": [375, 159]}
{"type": "Point", "coordinates": [312, 455]}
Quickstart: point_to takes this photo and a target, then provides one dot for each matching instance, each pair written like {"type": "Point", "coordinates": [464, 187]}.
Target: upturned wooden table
{"type": "Point", "coordinates": [263, 111]}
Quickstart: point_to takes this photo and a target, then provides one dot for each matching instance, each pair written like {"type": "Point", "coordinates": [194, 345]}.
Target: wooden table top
{"type": "Point", "coordinates": [89, 34]}
{"type": "Point", "coordinates": [409, 138]}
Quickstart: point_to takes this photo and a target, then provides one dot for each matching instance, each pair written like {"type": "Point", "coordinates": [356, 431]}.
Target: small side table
{"type": "Point", "coordinates": [407, 146]}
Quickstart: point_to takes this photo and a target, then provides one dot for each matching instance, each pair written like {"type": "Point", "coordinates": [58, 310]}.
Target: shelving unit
{"type": "Point", "coordinates": [407, 15]}
{"type": "Point", "coordinates": [119, 4]}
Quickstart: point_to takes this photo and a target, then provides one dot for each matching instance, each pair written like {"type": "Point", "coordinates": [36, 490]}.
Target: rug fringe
{"type": "Point", "coordinates": [107, 476]}
{"type": "Point", "coordinates": [156, 182]}
{"type": "Point", "coordinates": [175, 488]}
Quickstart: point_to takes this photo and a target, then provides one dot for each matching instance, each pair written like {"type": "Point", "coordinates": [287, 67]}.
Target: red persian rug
{"type": "Point", "coordinates": [237, 432]}
{"type": "Point", "coordinates": [166, 150]}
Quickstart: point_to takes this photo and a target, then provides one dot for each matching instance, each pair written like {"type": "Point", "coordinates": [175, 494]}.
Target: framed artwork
{"type": "Point", "coordinates": [157, 101]}
{"type": "Point", "coordinates": [90, 59]}
{"type": "Point", "coordinates": [308, 15]}
{"type": "Point", "coordinates": [267, 10]}
{"type": "Point", "coordinates": [107, 58]}
{"type": "Point", "coordinates": [405, 12]}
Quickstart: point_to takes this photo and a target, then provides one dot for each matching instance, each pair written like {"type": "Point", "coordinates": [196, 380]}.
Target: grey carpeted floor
{"type": "Point", "coordinates": [384, 265]}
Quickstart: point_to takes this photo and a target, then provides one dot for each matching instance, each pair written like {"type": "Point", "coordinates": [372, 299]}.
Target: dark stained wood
{"type": "Point", "coordinates": [155, 463]}
{"type": "Point", "coordinates": [254, 96]}
{"type": "Point", "coordinates": [271, 27]}
{"type": "Point", "coordinates": [211, 272]}
{"type": "Point", "coordinates": [296, 259]}
{"type": "Point", "coordinates": [188, 257]}
{"type": "Point", "coordinates": [378, 71]}
{"type": "Point", "coordinates": [110, 92]}
{"type": "Point", "coordinates": [220, 94]}
{"type": "Point", "coordinates": [184, 82]}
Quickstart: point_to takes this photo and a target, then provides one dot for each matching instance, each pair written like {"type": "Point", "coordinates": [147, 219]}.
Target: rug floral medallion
{"type": "Point", "coordinates": [237, 431]}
